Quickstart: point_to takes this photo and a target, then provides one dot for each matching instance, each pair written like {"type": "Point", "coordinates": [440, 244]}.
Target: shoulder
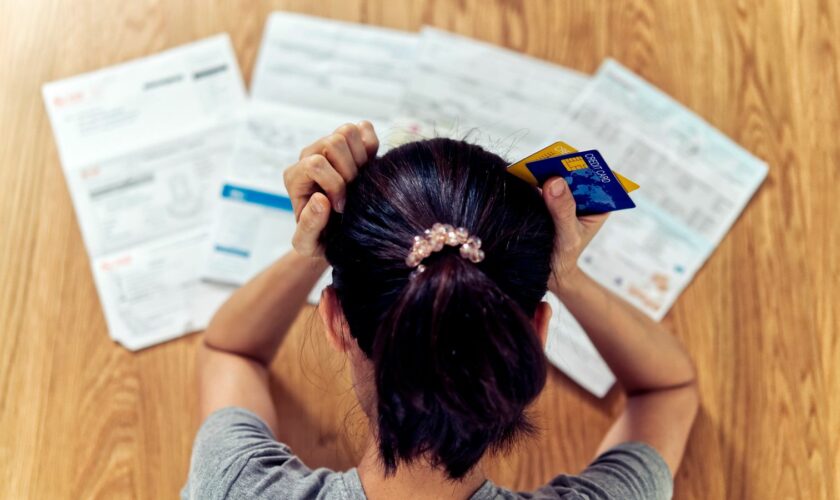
{"type": "Point", "coordinates": [236, 455]}
{"type": "Point", "coordinates": [628, 471]}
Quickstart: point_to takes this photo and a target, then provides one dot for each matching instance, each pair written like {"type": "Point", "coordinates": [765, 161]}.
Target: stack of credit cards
{"type": "Point", "coordinates": [595, 186]}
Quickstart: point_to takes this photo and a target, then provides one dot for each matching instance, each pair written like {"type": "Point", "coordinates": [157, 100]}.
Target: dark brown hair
{"type": "Point", "coordinates": [456, 358]}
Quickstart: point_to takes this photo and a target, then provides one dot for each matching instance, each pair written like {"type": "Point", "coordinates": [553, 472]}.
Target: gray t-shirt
{"type": "Point", "coordinates": [235, 455]}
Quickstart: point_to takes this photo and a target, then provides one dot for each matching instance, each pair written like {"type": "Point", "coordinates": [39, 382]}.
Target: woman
{"type": "Point", "coordinates": [441, 260]}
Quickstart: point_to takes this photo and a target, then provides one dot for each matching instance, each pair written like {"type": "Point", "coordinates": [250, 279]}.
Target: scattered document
{"type": "Point", "coordinates": [695, 182]}
{"type": "Point", "coordinates": [142, 146]}
{"type": "Point", "coordinates": [333, 66]}
{"type": "Point", "coordinates": [498, 98]}
{"type": "Point", "coordinates": [254, 221]}
{"type": "Point", "coordinates": [569, 349]}
{"type": "Point", "coordinates": [312, 75]}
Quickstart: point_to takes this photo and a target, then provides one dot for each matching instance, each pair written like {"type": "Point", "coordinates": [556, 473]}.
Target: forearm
{"type": "Point", "coordinates": [254, 321]}
{"type": "Point", "coordinates": [641, 353]}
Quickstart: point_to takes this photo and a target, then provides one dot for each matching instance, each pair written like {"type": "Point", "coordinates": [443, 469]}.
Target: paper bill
{"type": "Point", "coordinates": [333, 66]}
{"type": "Point", "coordinates": [569, 349]}
{"type": "Point", "coordinates": [696, 181]}
{"type": "Point", "coordinates": [498, 98]}
{"type": "Point", "coordinates": [312, 75]}
{"type": "Point", "coordinates": [254, 222]}
{"type": "Point", "coordinates": [142, 146]}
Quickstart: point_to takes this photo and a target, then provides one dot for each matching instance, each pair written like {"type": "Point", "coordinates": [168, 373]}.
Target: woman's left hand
{"type": "Point", "coordinates": [317, 182]}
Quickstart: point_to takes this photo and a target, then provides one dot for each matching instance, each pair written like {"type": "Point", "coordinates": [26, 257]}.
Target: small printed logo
{"type": "Point", "coordinates": [71, 98]}
{"type": "Point", "coordinates": [110, 265]}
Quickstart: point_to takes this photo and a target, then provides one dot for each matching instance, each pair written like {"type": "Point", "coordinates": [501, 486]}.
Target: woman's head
{"type": "Point", "coordinates": [454, 352]}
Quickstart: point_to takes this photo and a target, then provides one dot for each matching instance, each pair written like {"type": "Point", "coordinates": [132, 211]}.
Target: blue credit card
{"type": "Point", "coordinates": [594, 185]}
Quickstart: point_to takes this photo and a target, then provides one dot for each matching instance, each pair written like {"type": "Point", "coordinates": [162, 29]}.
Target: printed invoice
{"type": "Point", "coordinates": [311, 76]}
{"type": "Point", "coordinates": [142, 145]}
{"type": "Point", "coordinates": [695, 182]}
{"type": "Point", "coordinates": [497, 98]}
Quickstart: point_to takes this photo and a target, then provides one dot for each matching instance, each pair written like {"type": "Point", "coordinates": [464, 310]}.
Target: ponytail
{"type": "Point", "coordinates": [456, 364]}
{"type": "Point", "coordinates": [455, 357]}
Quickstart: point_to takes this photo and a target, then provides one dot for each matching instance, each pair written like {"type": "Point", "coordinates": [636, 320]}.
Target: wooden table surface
{"type": "Point", "coordinates": [81, 417]}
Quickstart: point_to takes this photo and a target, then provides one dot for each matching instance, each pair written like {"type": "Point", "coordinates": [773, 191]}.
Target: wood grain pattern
{"type": "Point", "coordinates": [82, 418]}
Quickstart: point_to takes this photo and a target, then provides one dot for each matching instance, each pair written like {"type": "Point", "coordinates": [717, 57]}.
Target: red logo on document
{"type": "Point", "coordinates": [118, 262]}
{"type": "Point", "coordinates": [89, 172]}
{"type": "Point", "coordinates": [71, 98]}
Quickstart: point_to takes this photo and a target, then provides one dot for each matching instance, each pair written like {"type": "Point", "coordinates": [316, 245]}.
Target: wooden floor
{"type": "Point", "coordinates": [80, 417]}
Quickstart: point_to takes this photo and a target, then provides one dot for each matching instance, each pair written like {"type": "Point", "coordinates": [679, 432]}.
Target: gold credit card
{"type": "Point", "coordinates": [559, 148]}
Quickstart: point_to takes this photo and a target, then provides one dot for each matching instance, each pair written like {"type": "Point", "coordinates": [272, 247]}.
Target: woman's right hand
{"type": "Point", "coordinates": [317, 183]}
{"type": "Point", "coordinates": [649, 363]}
{"type": "Point", "coordinates": [573, 233]}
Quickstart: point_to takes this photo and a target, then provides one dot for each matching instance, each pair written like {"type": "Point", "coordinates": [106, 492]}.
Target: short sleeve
{"type": "Point", "coordinates": [629, 471]}
{"type": "Point", "coordinates": [230, 449]}
{"type": "Point", "coordinates": [632, 470]}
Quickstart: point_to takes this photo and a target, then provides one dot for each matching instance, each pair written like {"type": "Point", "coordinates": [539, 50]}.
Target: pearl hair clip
{"type": "Point", "coordinates": [439, 235]}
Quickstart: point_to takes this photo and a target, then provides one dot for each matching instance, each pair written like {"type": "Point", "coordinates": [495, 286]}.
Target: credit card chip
{"type": "Point", "coordinates": [574, 163]}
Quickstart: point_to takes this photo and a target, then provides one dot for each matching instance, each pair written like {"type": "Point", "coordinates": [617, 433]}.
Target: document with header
{"type": "Point", "coordinates": [694, 181]}
{"type": "Point", "coordinates": [254, 221]}
{"type": "Point", "coordinates": [311, 76]}
{"type": "Point", "coordinates": [333, 66]}
{"type": "Point", "coordinates": [142, 146]}
{"type": "Point", "coordinates": [495, 97]}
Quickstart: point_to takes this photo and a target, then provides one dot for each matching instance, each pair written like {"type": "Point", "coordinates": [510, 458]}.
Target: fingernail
{"type": "Point", "coordinates": [317, 207]}
{"type": "Point", "coordinates": [339, 207]}
{"type": "Point", "coordinates": [557, 188]}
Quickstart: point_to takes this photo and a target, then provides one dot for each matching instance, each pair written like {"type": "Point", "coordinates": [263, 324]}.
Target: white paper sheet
{"type": "Point", "coordinates": [694, 181]}
{"type": "Point", "coordinates": [142, 146]}
{"type": "Point", "coordinates": [569, 349]}
{"type": "Point", "coordinates": [254, 223]}
{"type": "Point", "coordinates": [500, 99]}
{"type": "Point", "coordinates": [333, 66]}
{"type": "Point", "coordinates": [311, 76]}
